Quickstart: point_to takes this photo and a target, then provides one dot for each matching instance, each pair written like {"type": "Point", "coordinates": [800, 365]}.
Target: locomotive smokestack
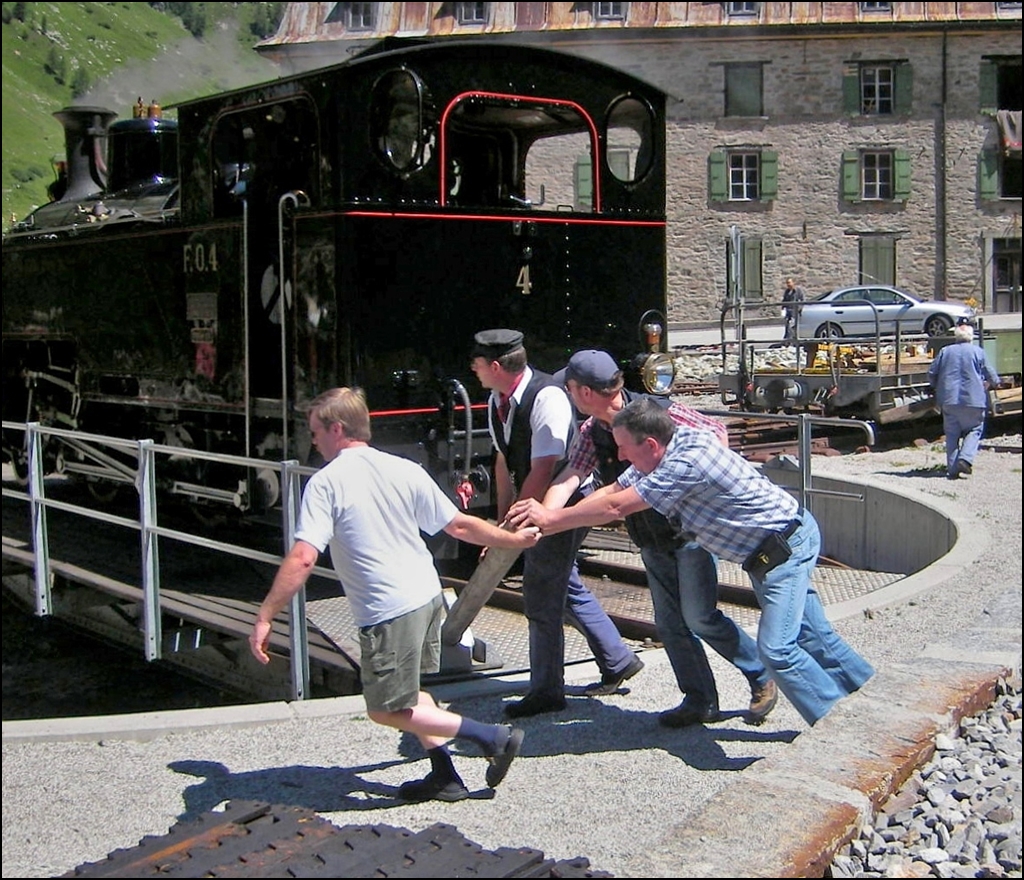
{"type": "Point", "coordinates": [85, 140]}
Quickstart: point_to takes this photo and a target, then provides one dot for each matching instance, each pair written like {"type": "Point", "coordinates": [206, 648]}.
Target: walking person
{"type": "Point", "coordinates": [531, 422]}
{"type": "Point", "coordinates": [791, 293]}
{"type": "Point", "coordinates": [740, 515]}
{"type": "Point", "coordinates": [960, 376]}
{"type": "Point", "coordinates": [682, 575]}
{"type": "Point", "coordinates": [370, 508]}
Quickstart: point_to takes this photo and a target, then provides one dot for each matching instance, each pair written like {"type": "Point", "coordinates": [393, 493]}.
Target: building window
{"type": "Point", "coordinates": [999, 175]}
{"type": "Point", "coordinates": [743, 175]}
{"type": "Point", "coordinates": [355, 16]}
{"type": "Point", "coordinates": [744, 89]}
{"type": "Point", "coordinates": [876, 175]}
{"type": "Point", "coordinates": [1000, 84]}
{"type": "Point", "coordinates": [609, 11]}
{"type": "Point", "coordinates": [1006, 287]}
{"type": "Point", "coordinates": [878, 88]}
{"type": "Point", "coordinates": [742, 10]}
{"type": "Point", "coordinates": [876, 7]}
{"type": "Point", "coordinates": [877, 260]}
{"type": "Point", "coordinates": [471, 13]}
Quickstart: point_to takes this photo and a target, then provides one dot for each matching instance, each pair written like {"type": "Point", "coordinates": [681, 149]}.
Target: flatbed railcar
{"type": "Point", "coordinates": [883, 378]}
{"type": "Point", "coordinates": [200, 279]}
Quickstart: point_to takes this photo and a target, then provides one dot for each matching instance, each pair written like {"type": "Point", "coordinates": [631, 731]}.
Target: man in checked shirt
{"type": "Point", "coordinates": [682, 575]}
{"type": "Point", "coordinates": [737, 513]}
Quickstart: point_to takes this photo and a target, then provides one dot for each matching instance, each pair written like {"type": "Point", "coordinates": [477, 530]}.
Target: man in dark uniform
{"type": "Point", "coordinates": [531, 423]}
{"type": "Point", "coordinates": [682, 575]}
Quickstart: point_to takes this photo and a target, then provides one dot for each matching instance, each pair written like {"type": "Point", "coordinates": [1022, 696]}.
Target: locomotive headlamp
{"type": "Point", "coordinates": [657, 373]}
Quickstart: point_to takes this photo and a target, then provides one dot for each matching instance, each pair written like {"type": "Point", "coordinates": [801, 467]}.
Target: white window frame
{"type": "Point", "coordinates": [744, 168]}
{"type": "Point", "coordinates": [610, 11]}
{"type": "Point", "coordinates": [361, 16]}
{"type": "Point", "coordinates": [877, 173]}
{"type": "Point", "coordinates": [471, 13]}
{"type": "Point", "coordinates": [742, 10]}
{"type": "Point", "coordinates": [877, 89]}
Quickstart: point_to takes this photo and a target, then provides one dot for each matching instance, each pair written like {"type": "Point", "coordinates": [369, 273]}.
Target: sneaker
{"type": "Point", "coordinates": [612, 681]}
{"type": "Point", "coordinates": [534, 704]}
{"type": "Point", "coordinates": [433, 787]}
{"type": "Point", "coordinates": [499, 764]}
{"type": "Point", "coordinates": [689, 712]}
{"type": "Point", "coordinates": [763, 698]}
{"type": "Point", "coordinates": [964, 467]}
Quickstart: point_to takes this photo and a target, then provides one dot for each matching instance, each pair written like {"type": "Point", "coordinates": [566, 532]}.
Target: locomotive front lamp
{"type": "Point", "coordinates": [658, 373]}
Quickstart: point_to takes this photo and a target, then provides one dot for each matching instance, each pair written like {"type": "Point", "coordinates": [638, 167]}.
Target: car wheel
{"type": "Point", "coordinates": [829, 331]}
{"type": "Point", "coordinates": [937, 325]}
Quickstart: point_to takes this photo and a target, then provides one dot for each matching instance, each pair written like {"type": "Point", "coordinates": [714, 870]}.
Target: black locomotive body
{"type": "Point", "coordinates": [200, 281]}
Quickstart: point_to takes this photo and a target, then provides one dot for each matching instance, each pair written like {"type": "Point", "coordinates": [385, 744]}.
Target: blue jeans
{"type": "Point", "coordinates": [554, 594]}
{"type": "Point", "coordinates": [684, 591]}
{"type": "Point", "coordinates": [964, 426]}
{"type": "Point", "coordinates": [809, 661]}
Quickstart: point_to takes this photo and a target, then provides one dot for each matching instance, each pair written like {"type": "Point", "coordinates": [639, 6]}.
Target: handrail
{"type": "Point", "coordinates": [151, 531]}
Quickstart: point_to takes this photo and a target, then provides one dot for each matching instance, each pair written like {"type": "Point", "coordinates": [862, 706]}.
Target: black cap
{"type": "Point", "coordinates": [963, 319]}
{"type": "Point", "coordinates": [493, 344]}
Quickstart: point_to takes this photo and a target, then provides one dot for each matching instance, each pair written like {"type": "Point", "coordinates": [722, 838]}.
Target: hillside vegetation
{"type": "Point", "coordinates": [110, 54]}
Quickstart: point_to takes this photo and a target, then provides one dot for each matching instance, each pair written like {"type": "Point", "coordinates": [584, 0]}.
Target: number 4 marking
{"type": "Point", "coordinates": [523, 281]}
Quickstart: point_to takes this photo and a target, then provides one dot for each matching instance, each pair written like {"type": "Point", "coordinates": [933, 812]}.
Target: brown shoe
{"type": "Point", "coordinates": [763, 698]}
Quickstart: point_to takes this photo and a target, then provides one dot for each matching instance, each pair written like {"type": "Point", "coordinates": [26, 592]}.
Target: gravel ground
{"type": "Point", "coordinates": [600, 780]}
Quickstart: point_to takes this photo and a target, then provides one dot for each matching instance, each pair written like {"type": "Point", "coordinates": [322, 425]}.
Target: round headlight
{"type": "Point", "coordinates": [658, 373]}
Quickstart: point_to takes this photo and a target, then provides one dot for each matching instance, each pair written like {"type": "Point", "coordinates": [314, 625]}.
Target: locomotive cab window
{"type": "Point", "coordinates": [399, 130]}
{"type": "Point", "coordinates": [630, 142]}
{"type": "Point", "coordinates": [263, 152]}
{"type": "Point", "coordinates": [511, 151]}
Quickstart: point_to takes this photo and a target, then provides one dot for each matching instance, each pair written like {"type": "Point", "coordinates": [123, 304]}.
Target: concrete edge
{"type": "Point", "coordinates": [776, 821]}
{"type": "Point", "coordinates": [972, 539]}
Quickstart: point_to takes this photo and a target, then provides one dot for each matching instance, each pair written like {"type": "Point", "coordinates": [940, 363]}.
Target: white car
{"type": "Point", "coordinates": [868, 309]}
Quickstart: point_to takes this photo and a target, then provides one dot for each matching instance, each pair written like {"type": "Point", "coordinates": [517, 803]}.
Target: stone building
{"type": "Point", "coordinates": [836, 143]}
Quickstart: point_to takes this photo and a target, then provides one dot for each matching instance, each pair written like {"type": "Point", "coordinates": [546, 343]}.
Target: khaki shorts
{"type": "Point", "coordinates": [396, 653]}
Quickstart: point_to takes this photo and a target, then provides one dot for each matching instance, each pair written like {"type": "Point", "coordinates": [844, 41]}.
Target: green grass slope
{"type": "Point", "coordinates": [106, 54]}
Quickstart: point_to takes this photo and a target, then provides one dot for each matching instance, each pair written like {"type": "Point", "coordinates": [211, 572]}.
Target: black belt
{"type": "Point", "coordinates": [792, 527]}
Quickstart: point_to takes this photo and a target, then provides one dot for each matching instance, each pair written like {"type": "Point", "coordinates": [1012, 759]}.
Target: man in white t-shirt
{"type": "Point", "coordinates": [370, 508]}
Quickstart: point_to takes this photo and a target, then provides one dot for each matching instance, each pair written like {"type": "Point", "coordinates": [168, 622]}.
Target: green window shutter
{"type": "Point", "coordinates": [584, 183]}
{"type": "Point", "coordinates": [901, 176]}
{"type": "Point", "coordinates": [988, 175]}
{"type": "Point", "coordinates": [718, 179]}
{"type": "Point", "coordinates": [903, 98]}
{"type": "Point", "coordinates": [988, 87]}
{"type": "Point", "coordinates": [851, 90]}
{"type": "Point", "coordinates": [851, 176]}
{"type": "Point", "coordinates": [769, 175]}
{"type": "Point", "coordinates": [752, 286]}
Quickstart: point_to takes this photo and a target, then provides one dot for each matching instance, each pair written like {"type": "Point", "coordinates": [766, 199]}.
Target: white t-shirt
{"type": "Point", "coordinates": [370, 507]}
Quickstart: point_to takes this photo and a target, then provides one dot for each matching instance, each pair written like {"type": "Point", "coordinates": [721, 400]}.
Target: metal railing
{"type": "Point", "coordinates": [150, 531]}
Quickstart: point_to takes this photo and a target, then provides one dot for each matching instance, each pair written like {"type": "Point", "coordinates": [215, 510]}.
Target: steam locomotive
{"type": "Point", "coordinates": [199, 280]}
